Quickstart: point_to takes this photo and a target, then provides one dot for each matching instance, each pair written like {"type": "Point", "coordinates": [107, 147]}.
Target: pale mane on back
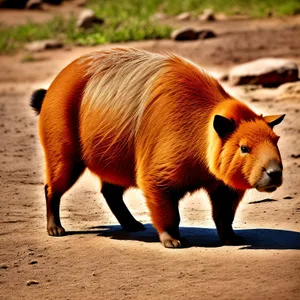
{"type": "Point", "coordinates": [120, 84]}
{"type": "Point", "coordinates": [120, 81]}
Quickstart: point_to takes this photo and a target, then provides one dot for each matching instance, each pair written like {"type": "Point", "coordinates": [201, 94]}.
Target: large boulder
{"type": "Point", "coordinates": [264, 71]}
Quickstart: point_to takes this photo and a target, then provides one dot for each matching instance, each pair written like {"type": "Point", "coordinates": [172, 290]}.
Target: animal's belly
{"type": "Point", "coordinates": [109, 156]}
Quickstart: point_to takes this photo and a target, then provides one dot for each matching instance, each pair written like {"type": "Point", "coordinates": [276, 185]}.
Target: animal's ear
{"type": "Point", "coordinates": [223, 126]}
{"type": "Point", "coordinates": [274, 120]}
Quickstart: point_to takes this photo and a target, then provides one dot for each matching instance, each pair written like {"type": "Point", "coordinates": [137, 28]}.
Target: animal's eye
{"type": "Point", "coordinates": [244, 149]}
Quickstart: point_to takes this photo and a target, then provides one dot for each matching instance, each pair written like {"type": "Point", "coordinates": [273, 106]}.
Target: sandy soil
{"type": "Point", "coordinates": [97, 260]}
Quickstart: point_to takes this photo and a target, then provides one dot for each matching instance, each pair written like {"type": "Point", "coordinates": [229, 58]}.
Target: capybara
{"type": "Point", "coordinates": [157, 122]}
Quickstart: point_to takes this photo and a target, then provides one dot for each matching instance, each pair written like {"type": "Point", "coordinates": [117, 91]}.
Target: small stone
{"type": "Point", "coordinates": [208, 15]}
{"type": "Point", "coordinates": [43, 45]}
{"type": "Point", "coordinates": [185, 16]}
{"type": "Point", "coordinates": [3, 266]}
{"type": "Point", "coordinates": [87, 19]}
{"type": "Point", "coordinates": [184, 34]}
{"type": "Point", "coordinates": [295, 156]}
{"type": "Point", "coordinates": [30, 253]}
{"type": "Point", "coordinates": [33, 4]}
{"type": "Point", "coordinates": [33, 262]}
{"type": "Point", "coordinates": [287, 197]}
{"type": "Point", "coordinates": [205, 34]}
{"type": "Point", "coordinates": [31, 282]}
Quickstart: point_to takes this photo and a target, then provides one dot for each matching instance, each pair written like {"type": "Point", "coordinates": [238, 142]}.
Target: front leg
{"type": "Point", "coordinates": [224, 202]}
{"type": "Point", "coordinates": [163, 205]}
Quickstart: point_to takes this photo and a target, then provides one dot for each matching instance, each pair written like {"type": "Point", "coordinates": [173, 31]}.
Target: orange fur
{"type": "Point", "coordinates": [146, 120]}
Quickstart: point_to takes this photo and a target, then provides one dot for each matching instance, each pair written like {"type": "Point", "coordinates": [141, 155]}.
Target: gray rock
{"type": "Point", "coordinates": [205, 34]}
{"type": "Point", "coordinates": [87, 19]}
{"type": "Point", "coordinates": [185, 16]}
{"type": "Point", "coordinates": [208, 15]}
{"type": "Point", "coordinates": [184, 34]}
{"type": "Point", "coordinates": [38, 46]}
{"type": "Point", "coordinates": [264, 71]}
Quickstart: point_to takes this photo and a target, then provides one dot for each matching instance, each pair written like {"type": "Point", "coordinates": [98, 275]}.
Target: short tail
{"type": "Point", "coordinates": [36, 100]}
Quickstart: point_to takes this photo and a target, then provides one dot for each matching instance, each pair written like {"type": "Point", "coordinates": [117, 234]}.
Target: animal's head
{"type": "Point", "coordinates": [248, 156]}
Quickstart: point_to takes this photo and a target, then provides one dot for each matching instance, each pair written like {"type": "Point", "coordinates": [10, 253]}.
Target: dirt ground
{"type": "Point", "coordinates": [97, 260]}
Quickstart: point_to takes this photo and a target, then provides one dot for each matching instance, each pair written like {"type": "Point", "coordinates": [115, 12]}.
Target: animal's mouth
{"type": "Point", "coordinates": [268, 189]}
{"type": "Point", "coordinates": [270, 179]}
{"type": "Point", "coordinates": [271, 189]}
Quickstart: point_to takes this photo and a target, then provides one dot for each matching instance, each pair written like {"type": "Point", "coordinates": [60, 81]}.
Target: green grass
{"type": "Point", "coordinates": [130, 20]}
{"type": "Point", "coordinates": [252, 8]}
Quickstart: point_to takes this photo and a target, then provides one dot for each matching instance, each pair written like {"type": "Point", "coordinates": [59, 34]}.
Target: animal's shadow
{"type": "Point", "coordinates": [257, 238]}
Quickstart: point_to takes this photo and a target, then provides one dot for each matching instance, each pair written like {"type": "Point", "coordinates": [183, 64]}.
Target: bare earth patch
{"type": "Point", "coordinates": [97, 260]}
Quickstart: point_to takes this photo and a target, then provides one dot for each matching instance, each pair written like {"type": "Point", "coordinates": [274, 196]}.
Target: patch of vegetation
{"type": "Point", "coordinates": [12, 38]}
{"type": "Point", "coordinates": [252, 8]}
{"type": "Point", "coordinates": [130, 20]}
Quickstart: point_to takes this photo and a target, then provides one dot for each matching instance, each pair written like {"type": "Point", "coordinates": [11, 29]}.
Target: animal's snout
{"type": "Point", "coordinates": [274, 171]}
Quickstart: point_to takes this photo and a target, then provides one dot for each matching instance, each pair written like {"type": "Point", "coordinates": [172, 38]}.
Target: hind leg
{"type": "Point", "coordinates": [113, 195]}
{"type": "Point", "coordinates": [60, 179]}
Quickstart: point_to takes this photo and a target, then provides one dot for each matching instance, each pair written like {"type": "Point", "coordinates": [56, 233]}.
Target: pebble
{"type": "Point", "coordinates": [3, 266]}
{"type": "Point", "coordinates": [31, 282]}
{"type": "Point", "coordinates": [33, 262]}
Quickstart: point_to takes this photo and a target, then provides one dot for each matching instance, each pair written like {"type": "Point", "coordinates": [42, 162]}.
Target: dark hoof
{"type": "Point", "coordinates": [56, 230]}
{"type": "Point", "coordinates": [133, 227]}
{"type": "Point", "coordinates": [234, 240]}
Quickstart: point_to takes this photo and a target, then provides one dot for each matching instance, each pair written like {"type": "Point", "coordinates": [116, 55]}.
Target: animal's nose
{"type": "Point", "coordinates": [274, 171]}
